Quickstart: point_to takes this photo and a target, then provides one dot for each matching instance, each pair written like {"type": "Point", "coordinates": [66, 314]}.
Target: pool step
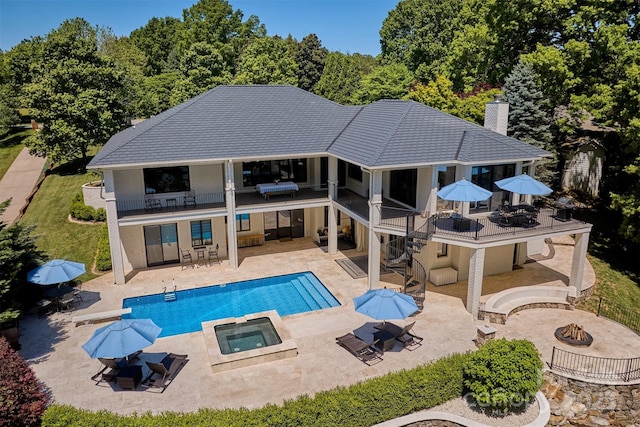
{"type": "Point", "coordinates": [319, 299]}
{"type": "Point", "coordinates": [170, 296]}
{"type": "Point", "coordinates": [306, 295]}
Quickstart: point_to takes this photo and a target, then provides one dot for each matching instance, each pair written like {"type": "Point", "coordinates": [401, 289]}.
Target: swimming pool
{"type": "Point", "coordinates": [287, 294]}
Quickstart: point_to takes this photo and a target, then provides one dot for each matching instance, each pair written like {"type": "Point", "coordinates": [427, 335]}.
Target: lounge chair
{"type": "Point", "coordinates": [405, 335]}
{"type": "Point", "coordinates": [365, 351]}
{"type": "Point", "coordinates": [114, 366]}
{"type": "Point", "coordinates": [167, 368]}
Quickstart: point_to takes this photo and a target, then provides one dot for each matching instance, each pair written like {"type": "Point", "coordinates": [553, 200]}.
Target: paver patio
{"type": "Point", "coordinates": [52, 345]}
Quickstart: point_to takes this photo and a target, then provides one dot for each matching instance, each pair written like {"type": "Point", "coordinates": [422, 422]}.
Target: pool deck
{"type": "Point", "coordinates": [52, 345]}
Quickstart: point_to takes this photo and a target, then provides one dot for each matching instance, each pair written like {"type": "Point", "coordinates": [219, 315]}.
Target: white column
{"type": "Point", "coordinates": [230, 199]}
{"type": "Point", "coordinates": [115, 246]}
{"type": "Point", "coordinates": [332, 180]}
{"type": "Point", "coordinates": [432, 200]}
{"type": "Point", "coordinates": [578, 261]}
{"type": "Point", "coordinates": [332, 228]}
{"type": "Point", "coordinates": [375, 203]}
{"type": "Point", "coordinates": [474, 289]}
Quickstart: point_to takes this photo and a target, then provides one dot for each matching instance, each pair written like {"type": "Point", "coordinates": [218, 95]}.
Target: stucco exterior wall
{"type": "Point", "coordinates": [498, 259]}
{"type": "Point", "coordinates": [132, 239]}
{"type": "Point", "coordinates": [128, 184]}
{"type": "Point", "coordinates": [207, 178]}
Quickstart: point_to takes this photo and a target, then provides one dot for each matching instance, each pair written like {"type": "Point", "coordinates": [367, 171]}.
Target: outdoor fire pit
{"type": "Point", "coordinates": [574, 335]}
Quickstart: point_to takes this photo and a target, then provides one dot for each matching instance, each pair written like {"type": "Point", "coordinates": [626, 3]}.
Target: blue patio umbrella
{"type": "Point", "coordinates": [56, 271]}
{"type": "Point", "coordinates": [524, 184]}
{"type": "Point", "coordinates": [122, 338]}
{"type": "Point", "coordinates": [384, 304]}
{"type": "Point", "coordinates": [464, 191]}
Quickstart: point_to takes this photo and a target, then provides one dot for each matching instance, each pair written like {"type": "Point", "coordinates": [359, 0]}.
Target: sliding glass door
{"type": "Point", "coordinates": [161, 243]}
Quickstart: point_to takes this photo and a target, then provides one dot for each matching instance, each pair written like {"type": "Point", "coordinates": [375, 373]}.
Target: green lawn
{"type": "Point", "coordinates": [49, 211]}
{"type": "Point", "coordinates": [10, 147]}
{"type": "Point", "coordinates": [612, 285]}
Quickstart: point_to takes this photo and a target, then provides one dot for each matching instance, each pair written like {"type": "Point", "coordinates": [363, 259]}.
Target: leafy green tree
{"type": "Point", "coordinates": [529, 118]}
{"type": "Point", "coordinates": [385, 82]}
{"type": "Point", "coordinates": [340, 78]}
{"type": "Point", "coordinates": [267, 60]}
{"type": "Point", "coordinates": [310, 57]}
{"type": "Point", "coordinates": [215, 22]}
{"type": "Point", "coordinates": [131, 62]}
{"type": "Point", "coordinates": [158, 93]}
{"type": "Point", "coordinates": [158, 40]}
{"type": "Point", "coordinates": [24, 59]}
{"type": "Point", "coordinates": [202, 67]}
{"type": "Point", "coordinates": [8, 114]}
{"type": "Point", "coordinates": [418, 33]}
{"type": "Point", "coordinates": [79, 96]}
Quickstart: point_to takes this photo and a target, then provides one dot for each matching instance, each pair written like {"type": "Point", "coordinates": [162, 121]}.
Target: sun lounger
{"type": "Point", "coordinates": [405, 335]}
{"type": "Point", "coordinates": [365, 351]}
{"type": "Point", "coordinates": [114, 366]}
{"type": "Point", "coordinates": [167, 368]}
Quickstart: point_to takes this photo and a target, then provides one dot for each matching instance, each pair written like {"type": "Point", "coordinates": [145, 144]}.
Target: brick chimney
{"type": "Point", "coordinates": [496, 115]}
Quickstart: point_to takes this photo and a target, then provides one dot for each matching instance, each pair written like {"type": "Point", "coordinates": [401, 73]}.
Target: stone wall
{"type": "Point", "coordinates": [580, 403]}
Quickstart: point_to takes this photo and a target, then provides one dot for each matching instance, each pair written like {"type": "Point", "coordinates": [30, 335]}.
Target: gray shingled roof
{"type": "Point", "coordinates": [393, 133]}
{"type": "Point", "coordinates": [242, 122]}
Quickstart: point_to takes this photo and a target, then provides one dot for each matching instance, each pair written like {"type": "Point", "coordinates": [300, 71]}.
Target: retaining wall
{"type": "Point", "coordinates": [575, 402]}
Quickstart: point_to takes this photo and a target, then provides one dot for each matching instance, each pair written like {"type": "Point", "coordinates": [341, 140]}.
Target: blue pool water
{"type": "Point", "coordinates": [287, 294]}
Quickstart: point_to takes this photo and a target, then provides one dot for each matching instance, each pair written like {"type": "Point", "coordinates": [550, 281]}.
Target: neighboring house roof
{"type": "Point", "coordinates": [271, 121]}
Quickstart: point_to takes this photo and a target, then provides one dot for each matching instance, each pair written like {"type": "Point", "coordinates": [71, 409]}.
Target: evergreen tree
{"type": "Point", "coordinates": [311, 57]}
{"type": "Point", "coordinates": [529, 119]}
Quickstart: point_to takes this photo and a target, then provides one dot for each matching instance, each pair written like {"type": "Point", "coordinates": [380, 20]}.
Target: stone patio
{"type": "Point", "coordinates": [52, 345]}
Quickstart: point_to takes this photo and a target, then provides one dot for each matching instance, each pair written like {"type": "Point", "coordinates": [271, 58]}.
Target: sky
{"type": "Point", "coordinates": [348, 26]}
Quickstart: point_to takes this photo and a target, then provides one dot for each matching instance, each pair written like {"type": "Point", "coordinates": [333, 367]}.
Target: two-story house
{"type": "Point", "coordinates": [240, 165]}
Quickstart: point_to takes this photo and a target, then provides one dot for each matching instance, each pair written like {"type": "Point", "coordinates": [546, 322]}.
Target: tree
{"type": "Point", "coordinates": [158, 93]}
{"type": "Point", "coordinates": [267, 60]}
{"type": "Point", "coordinates": [529, 118]}
{"type": "Point", "coordinates": [79, 96]}
{"type": "Point", "coordinates": [385, 82]}
{"type": "Point", "coordinates": [202, 67]}
{"type": "Point", "coordinates": [131, 62]}
{"type": "Point", "coordinates": [340, 78]}
{"type": "Point", "coordinates": [158, 40]}
{"type": "Point", "coordinates": [418, 33]}
{"type": "Point", "coordinates": [310, 57]}
{"type": "Point", "coordinates": [18, 255]}
{"type": "Point", "coordinates": [8, 113]}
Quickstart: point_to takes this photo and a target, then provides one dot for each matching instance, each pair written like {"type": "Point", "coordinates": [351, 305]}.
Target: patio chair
{"type": "Point", "coordinates": [151, 203]}
{"type": "Point", "coordinates": [186, 257]}
{"type": "Point", "coordinates": [404, 335]}
{"type": "Point", "coordinates": [213, 253]}
{"type": "Point", "coordinates": [190, 198]}
{"type": "Point", "coordinates": [67, 302]}
{"type": "Point", "coordinates": [365, 351]}
{"type": "Point", "coordinates": [167, 368]}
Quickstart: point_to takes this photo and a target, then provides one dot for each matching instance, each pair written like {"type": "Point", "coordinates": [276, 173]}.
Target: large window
{"type": "Point", "coordinates": [166, 180]}
{"type": "Point", "coordinates": [201, 233]}
{"type": "Point", "coordinates": [355, 172]}
{"type": "Point", "coordinates": [402, 186]}
{"type": "Point", "coordinates": [243, 222]}
{"type": "Point", "coordinates": [268, 171]}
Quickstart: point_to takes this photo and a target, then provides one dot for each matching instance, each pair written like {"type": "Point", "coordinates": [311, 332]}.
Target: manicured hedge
{"type": "Point", "coordinates": [103, 258]}
{"type": "Point", "coordinates": [362, 404]}
{"type": "Point", "coordinates": [83, 212]}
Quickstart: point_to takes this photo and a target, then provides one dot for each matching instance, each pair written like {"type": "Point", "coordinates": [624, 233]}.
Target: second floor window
{"type": "Point", "coordinates": [201, 234]}
{"type": "Point", "coordinates": [166, 180]}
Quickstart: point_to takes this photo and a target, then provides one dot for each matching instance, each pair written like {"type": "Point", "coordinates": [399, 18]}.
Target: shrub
{"type": "Point", "coordinates": [22, 398]}
{"type": "Point", "coordinates": [83, 212]}
{"type": "Point", "coordinates": [103, 258]}
{"type": "Point", "coordinates": [362, 404]}
{"type": "Point", "coordinates": [503, 375]}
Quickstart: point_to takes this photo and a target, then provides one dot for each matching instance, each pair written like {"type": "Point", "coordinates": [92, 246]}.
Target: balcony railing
{"type": "Point", "coordinates": [168, 203]}
{"type": "Point", "coordinates": [494, 226]}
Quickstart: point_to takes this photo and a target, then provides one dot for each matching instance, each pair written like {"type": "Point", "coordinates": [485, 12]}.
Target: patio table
{"type": "Point", "coordinates": [277, 188]}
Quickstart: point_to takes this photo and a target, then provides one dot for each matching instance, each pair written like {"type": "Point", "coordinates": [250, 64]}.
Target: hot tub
{"type": "Point", "coordinates": [239, 342]}
{"type": "Point", "coordinates": [245, 336]}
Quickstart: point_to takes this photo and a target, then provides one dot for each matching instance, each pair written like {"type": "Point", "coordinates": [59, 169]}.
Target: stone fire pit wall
{"type": "Point", "coordinates": [590, 404]}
